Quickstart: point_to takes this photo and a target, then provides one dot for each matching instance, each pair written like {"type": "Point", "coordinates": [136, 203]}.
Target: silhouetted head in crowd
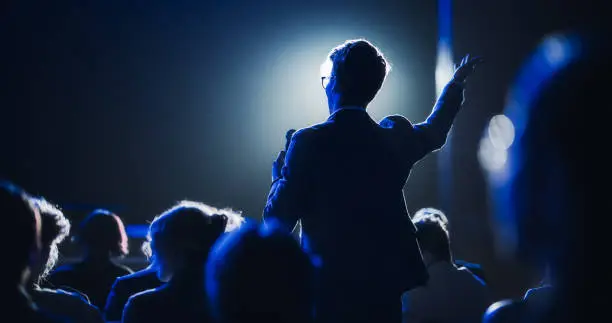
{"type": "Point", "coordinates": [181, 237]}
{"type": "Point", "coordinates": [260, 274]}
{"type": "Point", "coordinates": [432, 235]}
{"type": "Point", "coordinates": [22, 239]}
{"type": "Point", "coordinates": [552, 187]}
{"type": "Point", "coordinates": [54, 229]}
{"type": "Point", "coordinates": [102, 235]}
{"type": "Point", "coordinates": [353, 73]}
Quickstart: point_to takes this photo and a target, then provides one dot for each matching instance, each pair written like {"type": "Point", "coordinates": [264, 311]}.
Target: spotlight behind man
{"type": "Point", "coordinates": [343, 179]}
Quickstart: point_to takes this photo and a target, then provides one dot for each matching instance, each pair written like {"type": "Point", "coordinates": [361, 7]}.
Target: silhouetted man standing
{"type": "Point", "coordinates": [344, 178]}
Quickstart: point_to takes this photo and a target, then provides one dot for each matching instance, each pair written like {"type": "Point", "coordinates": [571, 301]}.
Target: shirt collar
{"type": "Point", "coordinates": [345, 108]}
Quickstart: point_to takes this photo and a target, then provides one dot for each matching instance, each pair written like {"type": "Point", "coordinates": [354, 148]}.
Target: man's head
{"type": "Point", "coordinates": [21, 238]}
{"type": "Point", "coordinates": [553, 183]}
{"type": "Point", "coordinates": [432, 235]}
{"type": "Point", "coordinates": [103, 233]}
{"type": "Point", "coordinates": [353, 73]}
{"type": "Point", "coordinates": [260, 274]}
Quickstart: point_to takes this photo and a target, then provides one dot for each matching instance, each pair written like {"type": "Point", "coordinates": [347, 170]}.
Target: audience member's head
{"type": "Point", "coordinates": [54, 229]}
{"type": "Point", "coordinates": [353, 73]}
{"type": "Point", "coordinates": [102, 234]}
{"type": "Point", "coordinates": [553, 179]}
{"type": "Point", "coordinates": [432, 235]}
{"type": "Point", "coordinates": [545, 189]}
{"type": "Point", "coordinates": [22, 240]}
{"type": "Point", "coordinates": [181, 237]}
{"type": "Point", "coordinates": [260, 274]}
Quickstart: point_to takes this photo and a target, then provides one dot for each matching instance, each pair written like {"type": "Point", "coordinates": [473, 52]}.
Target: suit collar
{"type": "Point", "coordinates": [348, 111]}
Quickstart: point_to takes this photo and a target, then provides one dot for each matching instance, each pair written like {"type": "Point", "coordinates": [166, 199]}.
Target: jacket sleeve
{"type": "Point", "coordinates": [433, 131]}
{"type": "Point", "coordinates": [288, 200]}
{"type": "Point", "coordinates": [420, 139]}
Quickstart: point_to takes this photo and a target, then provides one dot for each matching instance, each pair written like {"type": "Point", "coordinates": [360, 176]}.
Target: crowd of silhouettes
{"type": "Point", "coordinates": [208, 264]}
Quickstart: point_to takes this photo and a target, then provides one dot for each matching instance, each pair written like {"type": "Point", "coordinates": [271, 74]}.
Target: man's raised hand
{"type": "Point", "coordinates": [466, 68]}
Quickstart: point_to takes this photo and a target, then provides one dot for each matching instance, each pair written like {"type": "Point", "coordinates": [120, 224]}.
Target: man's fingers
{"type": "Point", "coordinates": [281, 156]}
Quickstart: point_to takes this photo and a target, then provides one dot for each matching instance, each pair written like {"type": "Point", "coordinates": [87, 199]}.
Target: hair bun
{"type": "Point", "coordinates": [218, 221]}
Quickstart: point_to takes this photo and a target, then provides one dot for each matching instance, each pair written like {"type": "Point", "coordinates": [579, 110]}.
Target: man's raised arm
{"type": "Point", "coordinates": [434, 130]}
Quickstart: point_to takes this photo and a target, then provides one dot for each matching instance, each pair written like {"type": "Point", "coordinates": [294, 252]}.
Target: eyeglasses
{"type": "Point", "coordinates": [325, 81]}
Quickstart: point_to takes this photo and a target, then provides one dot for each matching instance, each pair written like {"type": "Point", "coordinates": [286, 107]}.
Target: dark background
{"type": "Point", "coordinates": [133, 105]}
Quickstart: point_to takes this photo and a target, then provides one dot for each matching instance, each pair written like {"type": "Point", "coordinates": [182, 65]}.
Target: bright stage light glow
{"type": "Point", "coordinates": [493, 150]}
{"type": "Point", "coordinates": [326, 67]}
{"type": "Point", "coordinates": [444, 67]}
{"type": "Point", "coordinates": [501, 132]}
{"type": "Point", "coordinates": [288, 93]}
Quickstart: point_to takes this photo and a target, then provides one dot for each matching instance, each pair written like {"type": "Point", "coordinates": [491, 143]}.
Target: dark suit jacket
{"type": "Point", "coordinates": [344, 180]}
{"type": "Point", "coordinates": [126, 286]}
{"type": "Point", "coordinates": [94, 279]}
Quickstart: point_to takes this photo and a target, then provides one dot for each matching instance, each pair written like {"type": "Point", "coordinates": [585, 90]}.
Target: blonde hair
{"type": "Point", "coordinates": [229, 219]}
{"type": "Point", "coordinates": [55, 227]}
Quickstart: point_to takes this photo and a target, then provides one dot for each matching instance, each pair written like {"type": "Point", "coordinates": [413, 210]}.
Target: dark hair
{"type": "Point", "coordinates": [23, 223]}
{"type": "Point", "coordinates": [189, 229]}
{"type": "Point", "coordinates": [55, 227]}
{"type": "Point", "coordinates": [103, 232]}
{"type": "Point", "coordinates": [260, 274]}
{"type": "Point", "coordinates": [432, 233]}
{"type": "Point", "coordinates": [360, 70]}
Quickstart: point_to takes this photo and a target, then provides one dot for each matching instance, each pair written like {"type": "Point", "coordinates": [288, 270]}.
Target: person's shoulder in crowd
{"type": "Point", "coordinates": [61, 276]}
{"type": "Point", "coordinates": [145, 306]}
{"type": "Point", "coordinates": [506, 311]}
{"type": "Point", "coordinates": [21, 309]}
{"type": "Point", "coordinates": [121, 270]}
{"type": "Point", "coordinates": [469, 275]}
{"type": "Point", "coordinates": [65, 268]}
{"type": "Point", "coordinates": [147, 279]}
{"type": "Point", "coordinates": [141, 274]}
{"type": "Point", "coordinates": [538, 293]}
{"type": "Point", "coordinates": [63, 271]}
{"type": "Point", "coordinates": [67, 304]}
{"type": "Point", "coordinates": [144, 298]}
{"type": "Point", "coordinates": [126, 286]}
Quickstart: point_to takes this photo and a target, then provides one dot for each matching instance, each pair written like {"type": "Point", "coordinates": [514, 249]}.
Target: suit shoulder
{"type": "Point", "coordinates": [65, 298]}
{"type": "Point", "coordinates": [307, 134]}
{"type": "Point", "coordinates": [395, 121]}
{"type": "Point", "coordinates": [310, 131]}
